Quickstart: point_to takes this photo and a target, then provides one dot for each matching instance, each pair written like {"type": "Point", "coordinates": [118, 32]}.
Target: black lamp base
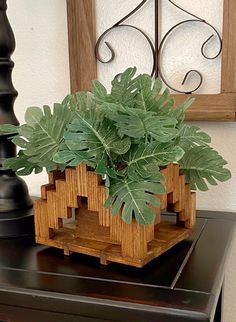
{"type": "Point", "coordinates": [16, 211]}
{"type": "Point", "coordinates": [17, 223]}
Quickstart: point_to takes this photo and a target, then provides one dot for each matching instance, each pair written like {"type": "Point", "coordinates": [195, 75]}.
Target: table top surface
{"type": "Point", "coordinates": [185, 281]}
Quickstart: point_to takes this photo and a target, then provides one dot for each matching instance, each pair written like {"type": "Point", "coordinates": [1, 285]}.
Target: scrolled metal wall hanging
{"type": "Point", "coordinates": [158, 48]}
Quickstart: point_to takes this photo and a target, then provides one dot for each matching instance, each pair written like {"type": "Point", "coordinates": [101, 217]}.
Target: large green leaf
{"type": "Point", "coordinates": [123, 91]}
{"type": "Point", "coordinates": [9, 128]}
{"type": "Point", "coordinates": [40, 138]}
{"type": "Point", "coordinates": [21, 165]}
{"type": "Point", "coordinates": [26, 131]}
{"type": "Point", "coordinates": [73, 158]}
{"type": "Point", "coordinates": [167, 107]}
{"type": "Point", "coordinates": [139, 124]}
{"type": "Point", "coordinates": [179, 112]}
{"type": "Point", "coordinates": [134, 198]}
{"type": "Point", "coordinates": [71, 102]}
{"type": "Point", "coordinates": [33, 115]}
{"type": "Point", "coordinates": [202, 164]}
{"type": "Point", "coordinates": [124, 87]}
{"type": "Point", "coordinates": [155, 154]}
{"type": "Point", "coordinates": [106, 170]}
{"type": "Point", "coordinates": [149, 97]}
{"type": "Point", "coordinates": [85, 102]}
{"type": "Point", "coordinates": [96, 135]}
{"type": "Point", "coordinates": [48, 131]}
{"type": "Point", "coordinates": [191, 136]}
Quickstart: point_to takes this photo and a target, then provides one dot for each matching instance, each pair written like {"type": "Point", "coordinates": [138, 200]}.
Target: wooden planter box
{"type": "Point", "coordinates": [80, 193]}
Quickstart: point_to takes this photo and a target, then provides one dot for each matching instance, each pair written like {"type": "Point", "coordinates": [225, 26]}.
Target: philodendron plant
{"type": "Point", "coordinates": [125, 136]}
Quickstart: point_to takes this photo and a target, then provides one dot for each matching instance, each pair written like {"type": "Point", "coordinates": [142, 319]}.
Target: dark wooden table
{"type": "Point", "coordinates": [38, 283]}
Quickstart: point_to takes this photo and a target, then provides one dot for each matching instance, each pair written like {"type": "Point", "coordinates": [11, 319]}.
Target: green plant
{"type": "Point", "coordinates": [126, 136]}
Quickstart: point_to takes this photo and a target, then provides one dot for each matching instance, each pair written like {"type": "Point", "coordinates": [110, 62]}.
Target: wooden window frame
{"type": "Point", "coordinates": [83, 64]}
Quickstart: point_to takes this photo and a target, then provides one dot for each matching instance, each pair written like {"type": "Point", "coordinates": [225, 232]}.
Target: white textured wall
{"type": "Point", "coordinates": [41, 76]}
{"type": "Point", "coordinates": [41, 72]}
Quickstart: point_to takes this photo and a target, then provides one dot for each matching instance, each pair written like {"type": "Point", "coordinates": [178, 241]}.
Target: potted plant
{"type": "Point", "coordinates": [122, 144]}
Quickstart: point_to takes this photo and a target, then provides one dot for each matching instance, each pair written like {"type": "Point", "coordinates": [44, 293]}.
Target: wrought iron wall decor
{"type": "Point", "coordinates": [207, 107]}
{"type": "Point", "coordinates": [156, 48]}
{"type": "Point", "coordinates": [119, 24]}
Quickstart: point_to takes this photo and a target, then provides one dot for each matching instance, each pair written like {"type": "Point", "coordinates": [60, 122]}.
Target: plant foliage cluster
{"type": "Point", "coordinates": [125, 136]}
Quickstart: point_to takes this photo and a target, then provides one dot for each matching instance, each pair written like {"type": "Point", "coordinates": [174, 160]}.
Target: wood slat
{"type": "Point", "coordinates": [63, 210]}
{"type": "Point", "coordinates": [214, 101]}
{"type": "Point", "coordinates": [55, 175]}
{"type": "Point", "coordinates": [211, 116]}
{"type": "Point", "coordinates": [179, 205]}
{"type": "Point", "coordinates": [228, 70]}
{"type": "Point", "coordinates": [149, 232]}
{"type": "Point", "coordinates": [71, 188]}
{"type": "Point", "coordinates": [104, 213]}
{"type": "Point", "coordinates": [184, 214]}
{"type": "Point", "coordinates": [158, 216]}
{"type": "Point", "coordinates": [170, 178]}
{"type": "Point", "coordinates": [45, 188]}
{"type": "Point", "coordinates": [163, 197]}
{"type": "Point", "coordinates": [82, 187]}
{"type": "Point", "coordinates": [133, 243]}
{"type": "Point", "coordinates": [42, 229]}
{"type": "Point", "coordinates": [93, 201]}
{"type": "Point", "coordinates": [192, 216]}
{"type": "Point", "coordinates": [52, 210]}
{"type": "Point", "coordinates": [210, 107]}
{"type": "Point", "coordinates": [172, 197]}
{"type": "Point", "coordinates": [82, 40]}
{"type": "Point", "coordinates": [116, 227]}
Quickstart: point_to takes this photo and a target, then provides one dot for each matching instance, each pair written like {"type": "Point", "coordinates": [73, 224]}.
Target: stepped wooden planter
{"type": "Point", "coordinates": [80, 192]}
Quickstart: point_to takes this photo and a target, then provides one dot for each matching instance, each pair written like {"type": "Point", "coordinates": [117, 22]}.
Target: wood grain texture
{"type": "Point", "coordinates": [96, 232]}
{"type": "Point", "coordinates": [211, 107]}
{"type": "Point", "coordinates": [70, 188]}
{"type": "Point", "coordinates": [88, 226]}
{"type": "Point", "coordinates": [82, 40]}
{"type": "Point", "coordinates": [116, 228]}
{"type": "Point", "coordinates": [191, 222]}
{"type": "Point", "coordinates": [228, 78]}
